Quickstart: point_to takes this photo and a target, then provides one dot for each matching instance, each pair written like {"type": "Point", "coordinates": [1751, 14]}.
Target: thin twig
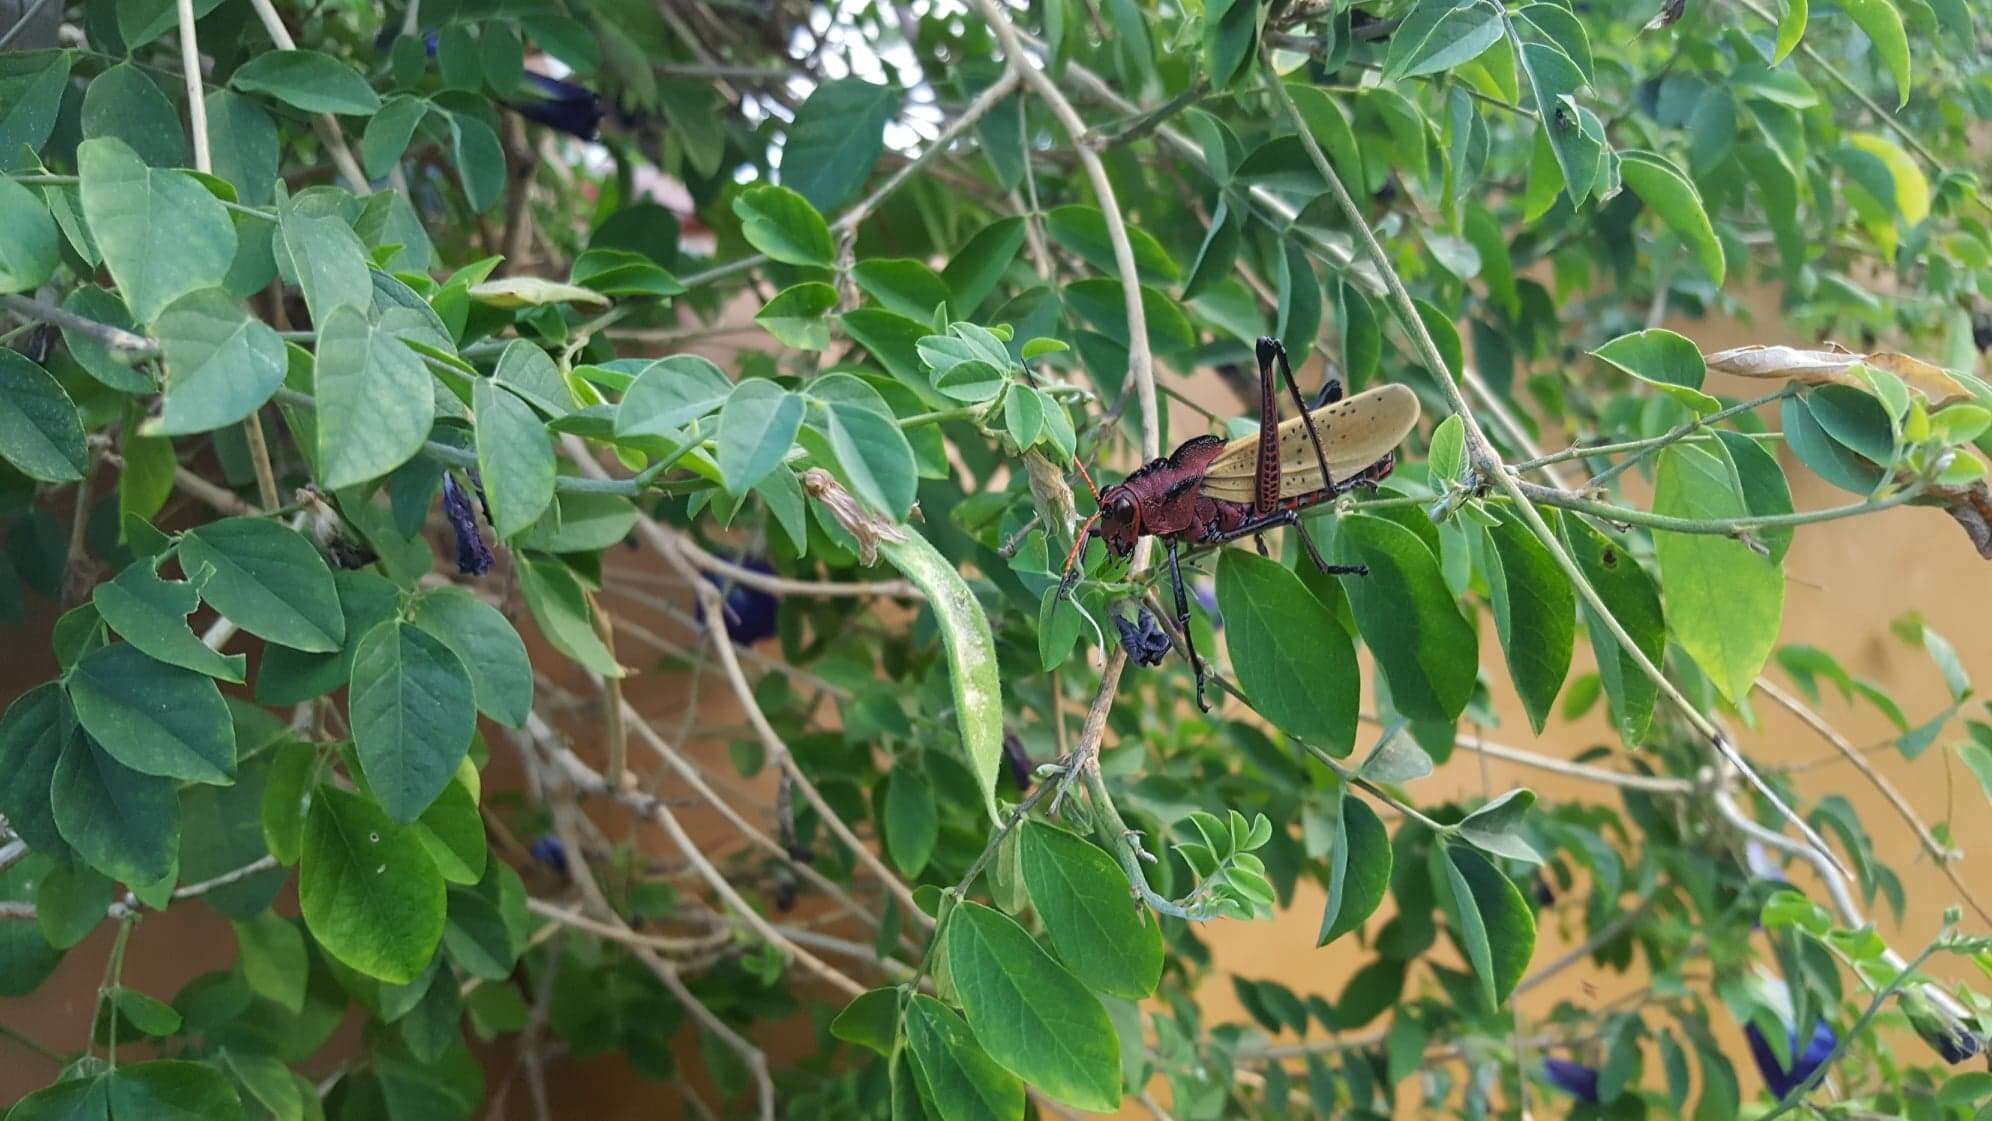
{"type": "Point", "coordinates": [1945, 856]}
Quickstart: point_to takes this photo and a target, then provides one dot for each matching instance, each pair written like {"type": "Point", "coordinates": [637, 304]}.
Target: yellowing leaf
{"type": "Point", "coordinates": [1912, 188]}
{"type": "Point", "coordinates": [533, 291]}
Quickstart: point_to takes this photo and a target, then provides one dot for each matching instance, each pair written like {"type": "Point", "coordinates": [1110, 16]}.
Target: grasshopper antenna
{"type": "Point", "coordinates": [1070, 574]}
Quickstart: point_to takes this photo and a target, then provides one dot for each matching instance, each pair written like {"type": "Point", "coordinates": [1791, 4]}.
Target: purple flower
{"type": "Point", "coordinates": [1206, 597]}
{"type": "Point", "coordinates": [473, 555]}
{"type": "Point", "coordinates": [1575, 1079]}
{"type": "Point", "coordinates": [561, 106]}
{"type": "Point", "coordinates": [1954, 1041]}
{"type": "Point", "coordinates": [749, 612]}
{"type": "Point", "coordinates": [1142, 638]}
{"type": "Point", "coordinates": [550, 852]}
{"type": "Point", "coordinates": [1539, 887]}
{"type": "Point", "coordinates": [1804, 1061]}
{"type": "Point", "coordinates": [1017, 760]}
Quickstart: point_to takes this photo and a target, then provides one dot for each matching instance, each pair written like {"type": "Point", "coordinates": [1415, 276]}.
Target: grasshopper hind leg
{"type": "Point", "coordinates": [1183, 624]}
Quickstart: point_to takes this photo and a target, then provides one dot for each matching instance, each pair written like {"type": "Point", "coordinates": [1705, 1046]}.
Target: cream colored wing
{"type": "Point", "coordinates": [1355, 432]}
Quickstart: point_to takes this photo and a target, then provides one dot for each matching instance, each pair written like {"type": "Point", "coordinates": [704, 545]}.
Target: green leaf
{"type": "Point", "coordinates": [622, 272]}
{"type": "Point", "coordinates": [1495, 924]}
{"type": "Point", "coordinates": [493, 652]}
{"type": "Point", "coordinates": [480, 161]}
{"type": "Point", "coordinates": [273, 959]}
{"type": "Point", "coordinates": [526, 370]}
{"type": "Point", "coordinates": [1725, 601]}
{"type": "Point", "coordinates": [871, 1021]}
{"type": "Point", "coordinates": [173, 1090]}
{"type": "Point", "coordinates": [307, 80]}
{"type": "Point", "coordinates": [1446, 457]}
{"type": "Point", "coordinates": [669, 394]}
{"type": "Point", "coordinates": [560, 607]}
{"type": "Point", "coordinates": [911, 820]}
{"type": "Point", "coordinates": [1791, 28]}
{"type": "Point", "coordinates": [1294, 661]}
{"type": "Point", "coordinates": [862, 440]}
{"type": "Point", "coordinates": [1082, 230]}
{"type": "Point", "coordinates": [1030, 1014]}
{"type": "Point", "coordinates": [956, 1076]}
{"type": "Point", "coordinates": [375, 401]}
{"type": "Point", "coordinates": [155, 718]}
{"type": "Point", "coordinates": [1359, 864]}
{"type": "Point", "coordinates": [757, 427]}
{"type": "Point", "coordinates": [151, 614]}
{"type": "Point", "coordinates": [1664, 360]}
{"type": "Point", "coordinates": [33, 733]}
{"type": "Point", "coordinates": [1979, 758]}
{"type": "Point", "coordinates": [270, 1082]}
{"type": "Point", "coordinates": [162, 234]}
{"type": "Point", "coordinates": [797, 316]}
{"type": "Point", "coordinates": [369, 893]}
{"type": "Point", "coordinates": [40, 431]}
{"type": "Point", "coordinates": [971, 274]}
{"type": "Point", "coordinates": [1427, 651]}
{"type": "Point", "coordinates": [1883, 24]}
{"type": "Point", "coordinates": [1629, 592]}
{"type": "Point", "coordinates": [319, 250]}
{"type": "Point", "coordinates": [452, 830]}
{"type": "Point", "coordinates": [28, 242]}
{"type": "Point", "coordinates": [514, 458]}
{"type": "Point", "coordinates": [1100, 932]}
{"type": "Point", "coordinates": [221, 363]}
{"type": "Point", "coordinates": [902, 285]}
{"type": "Point", "coordinates": [31, 89]}
{"type": "Point", "coordinates": [288, 677]}
{"type": "Point", "coordinates": [1823, 455]}
{"type": "Point", "coordinates": [1662, 187]}
{"type": "Point", "coordinates": [835, 141]}
{"type": "Point", "coordinates": [1576, 137]}
{"type": "Point", "coordinates": [413, 711]}
{"type": "Point", "coordinates": [98, 360]}
{"type": "Point", "coordinates": [269, 581]}
{"type": "Point", "coordinates": [783, 225]}
{"type": "Point", "coordinates": [123, 103]}
{"type": "Point", "coordinates": [1023, 416]}
{"type": "Point", "coordinates": [1231, 27]}
{"type": "Point", "coordinates": [122, 823]}
{"type": "Point", "coordinates": [1496, 827]}
{"type": "Point", "coordinates": [1440, 35]}
{"type": "Point", "coordinates": [70, 904]}
{"type": "Point", "coordinates": [1535, 612]}
{"type": "Point", "coordinates": [82, 1098]}
{"type": "Point", "coordinates": [970, 381]}
{"type": "Point", "coordinates": [978, 691]}
{"type": "Point", "coordinates": [244, 143]}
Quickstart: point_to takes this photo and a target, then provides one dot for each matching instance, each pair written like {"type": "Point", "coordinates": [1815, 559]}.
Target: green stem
{"type": "Point", "coordinates": [113, 978]}
{"type": "Point", "coordinates": [1730, 527]}
{"type": "Point", "coordinates": [1648, 443]}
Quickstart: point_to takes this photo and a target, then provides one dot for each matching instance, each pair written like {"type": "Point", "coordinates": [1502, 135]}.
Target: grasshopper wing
{"type": "Point", "coordinates": [1355, 433]}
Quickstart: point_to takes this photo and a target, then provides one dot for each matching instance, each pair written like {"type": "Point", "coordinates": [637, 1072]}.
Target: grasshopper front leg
{"type": "Point", "coordinates": [1183, 623]}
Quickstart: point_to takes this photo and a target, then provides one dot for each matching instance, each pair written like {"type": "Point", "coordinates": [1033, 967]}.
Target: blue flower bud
{"type": "Point", "coordinates": [749, 612]}
{"type": "Point", "coordinates": [550, 852]}
{"type": "Point", "coordinates": [1575, 1079]}
{"type": "Point", "coordinates": [561, 106]}
{"type": "Point", "coordinates": [1805, 1060]}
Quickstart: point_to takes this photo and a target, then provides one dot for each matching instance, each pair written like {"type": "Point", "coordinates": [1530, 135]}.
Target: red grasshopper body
{"type": "Point", "coordinates": [1210, 491]}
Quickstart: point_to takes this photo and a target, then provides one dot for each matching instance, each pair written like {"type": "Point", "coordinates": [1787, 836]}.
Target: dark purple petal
{"type": "Point", "coordinates": [1806, 1060]}
{"type": "Point", "coordinates": [1575, 1079]}
{"type": "Point", "coordinates": [1143, 638]}
{"type": "Point", "coordinates": [473, 555]}
{"type": "Point", "coordinates": [550, 852]}
{"type": "Point", "coordinates": [1017, 761]}
{"type": "Point", "coordinates": [561, 106]}
{"type": "Point", "coordinates": [750, 613]}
